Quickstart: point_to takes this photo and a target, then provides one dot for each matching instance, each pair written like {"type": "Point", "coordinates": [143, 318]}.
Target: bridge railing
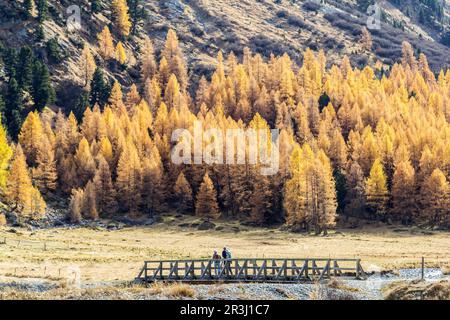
{"type": "Point", "coordinates": [250, 269]}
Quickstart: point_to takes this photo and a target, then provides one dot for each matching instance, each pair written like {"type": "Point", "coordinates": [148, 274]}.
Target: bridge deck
{"type": "Point", "coordinates": [249, 270]}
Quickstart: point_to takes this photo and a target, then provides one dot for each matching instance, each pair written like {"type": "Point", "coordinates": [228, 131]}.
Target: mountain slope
{"type": "Point", "coordinates": [207, 26]}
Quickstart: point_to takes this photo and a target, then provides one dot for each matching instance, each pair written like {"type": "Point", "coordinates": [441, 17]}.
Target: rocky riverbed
{"type": "Point", "coordinates": [337, 289]}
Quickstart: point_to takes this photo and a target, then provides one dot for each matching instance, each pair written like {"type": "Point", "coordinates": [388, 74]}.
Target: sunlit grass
{"type": "Point", "coordinates": [118, 255]}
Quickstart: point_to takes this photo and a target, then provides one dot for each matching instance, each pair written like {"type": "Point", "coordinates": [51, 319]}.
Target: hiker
{"type": "Point", "coordinates": [226, 255]}
{"type": "Point", "coordinates": [216, 259]}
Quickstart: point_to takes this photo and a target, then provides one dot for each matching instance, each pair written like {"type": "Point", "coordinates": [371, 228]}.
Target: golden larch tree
{"type": "Point", "coordinates": [376, 190]}
{"type": "Point", "coordinates": [35, 209]}
{"type": "Point", "coordinates": [355, 199]}
{"type": "Point", "coordinates": [88, 65]}
{"type": "Point", "coordinates": [153, 196]}
{"type": "Point", "coordinates": [148, 61]}
{"type": "Point", "coordinates": [404, 192]}
{"type": "Point", "coordinates": [328, 203]}
{"type": "Point", "coordinates": [129, 179]}
{"type": "Point", "coordinates": [31, 136]}
{"type": "Point", "coordinates": [46, 174]}
{"type": "Point", "coordinates": [84, 161]}
{"type": "Point", "coordinates": [366, 40]}
{"type": "Point", "coordinates": [206, 204]}
{"type": "Point", "coordinates": [76, 205]}
{"type": "Point", "coordinates": [435, 199]}
{"type": "Point", "coordinates": [121, 18]}
{"type": "Point", "coordinates": [5, 155]}
{"type": "Point", "coordinates": [20, 193]}
{"type": "Point", "coordinates": [104, 189]}
{"type": "Point", "coordinates": [174, 58]}
{"type": "Point", "coordinates": [121, 55]}
{"type": "Point", "coordinates": [106, 44]}
{"type": "Point", "coordinates": [89, 208]}
{"type": "Point", "coordinates": [183, 193]}
{"type": "Point", "coordinates": [295, 190]}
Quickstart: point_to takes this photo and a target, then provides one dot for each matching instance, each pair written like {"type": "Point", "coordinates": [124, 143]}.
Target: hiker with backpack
{"type": "Point", "coordinates": [216, 259]}
{"type": "Point", "coordinates": [226, 255]}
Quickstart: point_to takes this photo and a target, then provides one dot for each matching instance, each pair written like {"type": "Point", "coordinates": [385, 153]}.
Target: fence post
{"type": "Point", "coordinates": [357, 268]}
{"type": "Point", "coordinates": [306, 268]}
{"type": "Point", "coordinates": [328, 267]}
{"type": "Point", "coordinates": [423, 268]}
{"type": "Point", "coordinates": [145, 271]}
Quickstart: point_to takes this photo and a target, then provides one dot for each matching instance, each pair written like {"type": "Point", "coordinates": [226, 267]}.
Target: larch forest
{"type": "Point", "coordinates": [370, 143]}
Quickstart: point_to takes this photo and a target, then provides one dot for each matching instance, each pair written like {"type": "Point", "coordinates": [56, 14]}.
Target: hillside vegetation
{"type": "Point", "coordinates": [205, 26]}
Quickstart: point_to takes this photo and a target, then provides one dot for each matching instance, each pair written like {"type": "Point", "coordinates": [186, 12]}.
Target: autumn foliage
{"type": "Point", "coordinates": [360, 143]}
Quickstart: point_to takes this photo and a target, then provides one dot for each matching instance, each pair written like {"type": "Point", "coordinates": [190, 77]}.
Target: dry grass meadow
{"type": "Point", "coordinates": [102, 255]}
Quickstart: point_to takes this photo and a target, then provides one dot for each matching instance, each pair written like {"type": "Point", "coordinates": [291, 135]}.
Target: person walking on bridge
{"type": "Point", "coordinates": [226, 255]}
{"type": "Point", "coordinates": [216, 259]}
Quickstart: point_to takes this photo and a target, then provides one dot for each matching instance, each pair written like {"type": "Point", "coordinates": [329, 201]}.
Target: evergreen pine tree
{"type": "Point", "coordinates": [25, 68]}
{"type": "Point", "coordinates": [29, 8]}
{"type": "Point", "coordinates": [137, 14]}
{"type": "Point", "coordinates": [13, 108]}
{"type": "Point", "coordinates": [42, 91]}
{"type": "Point", "coordinates": [42, 7]}
{"type": "Point", "coordinates": [100, 90]}
{"type": "Point", "coordinates": [95, 6]}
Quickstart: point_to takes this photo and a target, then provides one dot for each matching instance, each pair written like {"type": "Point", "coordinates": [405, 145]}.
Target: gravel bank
{"type": "Point", "coordinates": [342, 288]}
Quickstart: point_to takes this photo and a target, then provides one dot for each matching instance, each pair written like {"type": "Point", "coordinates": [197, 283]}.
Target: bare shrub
{"type": "Point", "coordinates": [195, 30]}
{"type": "Point", "coordinates": [337, 284]}
{"type": "Point", "coordinates": [282, 14]}
{"type": "Point", "coordinates": [297, 21]}
{"type": "Point", "coordinates": [417, 290]}
{"type": "Point", "coordinates": [311, 6]}
{"type": "Point", "coordinates": [325, 292]}
{"type": "Point", "coordinates": [446, 269]}
{"type": "Point", "coordinates": [178, 290]}
{"type": "Point", "coordinates": [329, 43]}
{"type": "Point", "coordinates": [331, 17]}
{"type": "Point", "coordinates": [157, 288]}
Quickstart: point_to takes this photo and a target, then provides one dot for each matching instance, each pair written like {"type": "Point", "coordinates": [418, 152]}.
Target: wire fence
{"type": "Point", "coordinates": [26, 243]}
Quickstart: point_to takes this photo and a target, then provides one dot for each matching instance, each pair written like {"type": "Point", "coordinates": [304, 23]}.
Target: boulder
{"type": "Point", "coordinates": [184, 225]}
{"type": "Point", "coordinates": [206, 225]}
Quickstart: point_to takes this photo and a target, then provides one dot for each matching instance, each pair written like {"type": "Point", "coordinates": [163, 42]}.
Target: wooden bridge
{"type": "Point", "coordinates": [250, 270]}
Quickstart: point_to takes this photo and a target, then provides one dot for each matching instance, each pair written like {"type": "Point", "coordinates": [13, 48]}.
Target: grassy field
{"type": "Point", "coordinates": [102, 255]}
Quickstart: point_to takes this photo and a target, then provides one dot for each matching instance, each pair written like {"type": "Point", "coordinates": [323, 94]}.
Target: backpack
{"type": "Point", "coordinates": [228, 254]}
